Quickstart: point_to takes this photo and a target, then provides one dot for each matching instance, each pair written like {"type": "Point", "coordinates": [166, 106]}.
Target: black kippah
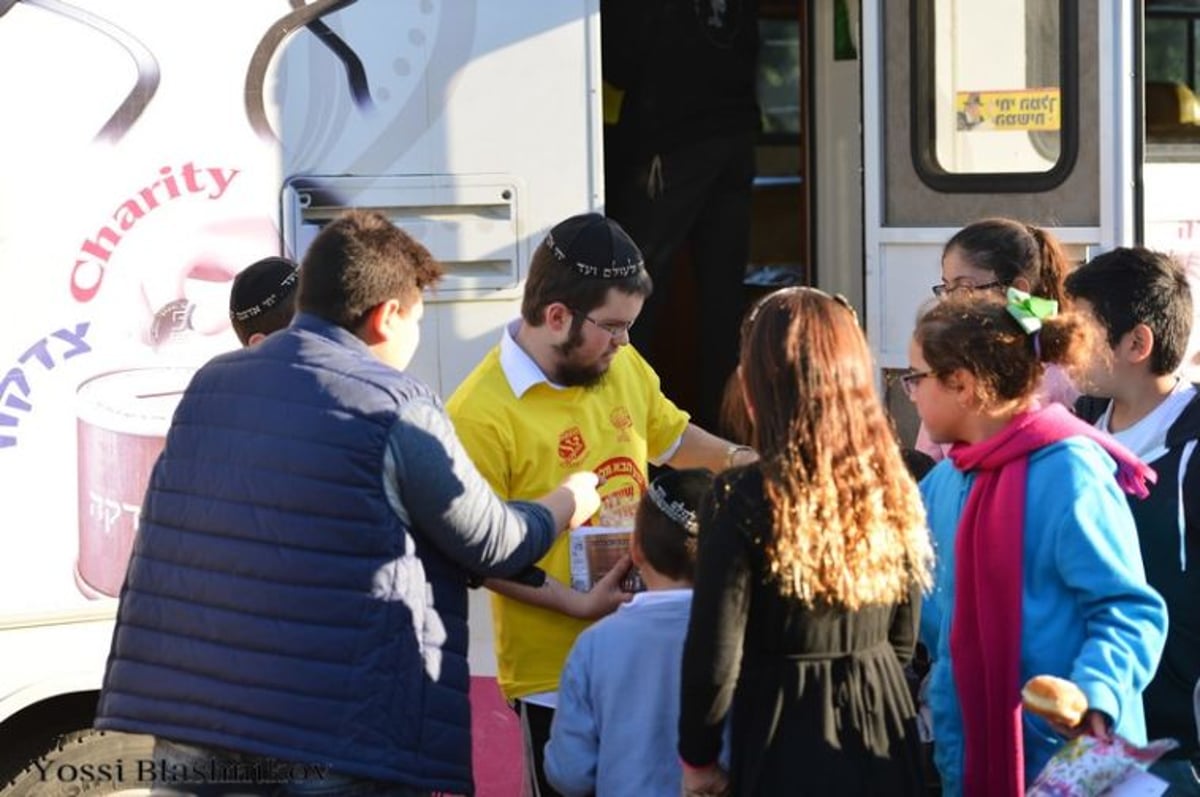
{"type": "Point", "coordinates": [261, 286]}
{"type": "Point", "coordinates": [595, 246]}
{"type": "Point", "coordinates": [678, 495]}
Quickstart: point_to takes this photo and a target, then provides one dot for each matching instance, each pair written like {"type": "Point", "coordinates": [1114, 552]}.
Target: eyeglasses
{"type": "Point", "coordinates": [910, 380]}
{"type": "Point", "coordinates": [614, 328]}
{"type": "Point", "coordinates": [942, 289]}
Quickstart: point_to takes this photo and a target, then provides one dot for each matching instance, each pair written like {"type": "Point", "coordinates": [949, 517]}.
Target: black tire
{"type": "Point", "coordinates": [86, 762]}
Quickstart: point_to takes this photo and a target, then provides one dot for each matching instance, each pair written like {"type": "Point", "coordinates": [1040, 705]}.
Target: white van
{"type": "Point", "coordinates": [149, 150]}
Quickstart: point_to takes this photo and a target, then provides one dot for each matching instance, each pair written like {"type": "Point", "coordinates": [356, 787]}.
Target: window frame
{"type": "Point", "coordinates": [923, 131]}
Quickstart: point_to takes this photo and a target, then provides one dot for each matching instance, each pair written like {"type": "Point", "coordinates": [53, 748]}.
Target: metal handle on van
{"type": "Point", "coordinates": [309, 17]}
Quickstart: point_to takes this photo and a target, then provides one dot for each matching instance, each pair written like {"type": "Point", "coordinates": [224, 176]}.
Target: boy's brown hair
{"type": "Point", "coordinates": [1133, 285]}
{"type": "Point", "coordinates": [357, 262]}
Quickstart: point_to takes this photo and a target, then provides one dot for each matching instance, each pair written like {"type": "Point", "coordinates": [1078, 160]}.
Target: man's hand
{"type": "Point", "coordinates": [607, 594]}
{"type": "Point", "coordinates": [582, 486]}
{"type": "Point", "coordinates": [574, 501]}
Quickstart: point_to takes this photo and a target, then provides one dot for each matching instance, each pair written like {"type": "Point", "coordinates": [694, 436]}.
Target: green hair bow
{"type": "Point", "coordinates": [1030, 311]}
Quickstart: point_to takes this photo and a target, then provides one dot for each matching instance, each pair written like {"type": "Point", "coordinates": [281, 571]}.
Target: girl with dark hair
{"type": "Point", "coordinates": [997, 253]}
{"type": "Point", "coordinates": [1038, 570]}
{"type": "Point", "coordinates": [810, 567]}
{"type": "Point", "coordinates": [993, 255]}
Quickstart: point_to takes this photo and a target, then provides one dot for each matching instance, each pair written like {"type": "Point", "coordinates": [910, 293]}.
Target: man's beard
{"type": "Point", "coordinates": [585, 376]}
{"type": "Point", "coordinates": [571, 374]}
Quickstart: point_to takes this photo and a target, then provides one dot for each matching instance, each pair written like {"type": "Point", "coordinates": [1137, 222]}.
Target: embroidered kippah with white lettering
{"type": "Point", "coordinates": [678, 495]}
{"type": "Point", "coordinates": [595, 247]}
{"type": "Point", "coordinates": [261, 286]}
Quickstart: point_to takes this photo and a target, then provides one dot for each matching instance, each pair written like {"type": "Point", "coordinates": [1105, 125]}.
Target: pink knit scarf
{"type": "Point", "coordinates": [985, 635]}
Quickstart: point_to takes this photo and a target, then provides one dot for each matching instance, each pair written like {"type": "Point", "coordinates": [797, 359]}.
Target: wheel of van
{"type": "Point", "coordinates": [87, 762]}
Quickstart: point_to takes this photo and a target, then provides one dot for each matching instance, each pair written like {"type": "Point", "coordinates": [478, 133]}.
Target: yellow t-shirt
{"type": "Point", "coordinates": [526, 446]}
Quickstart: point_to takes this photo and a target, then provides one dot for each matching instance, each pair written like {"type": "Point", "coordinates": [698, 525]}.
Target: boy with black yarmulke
{"type": "Point", "coordinates": [263, 298]}
{"type": "Point", "coordinates": [615, 728]}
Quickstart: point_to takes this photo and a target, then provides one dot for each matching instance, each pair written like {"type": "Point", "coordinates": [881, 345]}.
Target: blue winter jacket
{"type": "Point", "coordinates": [1087, 613]}
{"type": "Point", "coordinates": [298, 584]}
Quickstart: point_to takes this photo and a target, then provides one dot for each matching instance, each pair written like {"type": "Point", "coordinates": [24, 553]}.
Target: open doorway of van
{"type": "Point", "coordinates": [718, 36]}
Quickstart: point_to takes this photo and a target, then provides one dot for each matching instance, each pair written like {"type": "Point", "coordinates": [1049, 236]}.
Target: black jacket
{"type": "Point", "coordinates": [688, 70]}
{"type": "Point", "coordinates": [1171, 555]}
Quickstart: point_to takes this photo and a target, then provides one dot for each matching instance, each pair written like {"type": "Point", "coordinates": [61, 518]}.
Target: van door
{"type": "Point", "coordinates": [977, 109]}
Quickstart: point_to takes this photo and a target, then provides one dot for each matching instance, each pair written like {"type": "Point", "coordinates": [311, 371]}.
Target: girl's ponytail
{"type": "Point", "coordinates": [1065, 340]}
{"type": "Point", "coordinates": [980, 334]}
{"type": "Point", "coordinates": [1053, 266]}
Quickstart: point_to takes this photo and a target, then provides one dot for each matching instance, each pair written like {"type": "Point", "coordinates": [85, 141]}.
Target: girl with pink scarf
{"type": "Point", "coordinates": [1038, 567]}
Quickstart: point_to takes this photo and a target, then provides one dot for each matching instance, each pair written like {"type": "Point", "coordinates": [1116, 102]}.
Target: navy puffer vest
{"type": "Point", "coordinates": [275, 604]}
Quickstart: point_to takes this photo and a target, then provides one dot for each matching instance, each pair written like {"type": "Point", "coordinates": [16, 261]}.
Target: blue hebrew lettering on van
{"type": "Point", "coordinates": [48, 352]}
{"type": "Point", "coordinates": [41, 352]}
{"type": "Point", "coordinates": [78, 346]}
{"type": "Point", "coordinates": [14, 378]}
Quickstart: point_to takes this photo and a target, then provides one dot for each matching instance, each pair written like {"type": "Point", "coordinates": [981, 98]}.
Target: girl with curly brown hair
{"type": "Point", "coordinates": [1038, 569]}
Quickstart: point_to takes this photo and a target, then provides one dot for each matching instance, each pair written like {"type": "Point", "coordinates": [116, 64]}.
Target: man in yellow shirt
{"type": "Point", "coordinates": [564, 392]}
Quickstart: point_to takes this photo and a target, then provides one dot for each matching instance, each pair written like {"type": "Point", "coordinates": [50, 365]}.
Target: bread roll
{"type": "Point", "coordinates": [1055, 699]}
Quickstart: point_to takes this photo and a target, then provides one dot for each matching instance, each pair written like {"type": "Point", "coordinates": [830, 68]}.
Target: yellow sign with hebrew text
{"type": "Point", "coordinates": [1024, 109]}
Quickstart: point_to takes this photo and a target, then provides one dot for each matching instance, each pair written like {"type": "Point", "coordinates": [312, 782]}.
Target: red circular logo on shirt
{"type": "Point", "coordinates": [571, 446]}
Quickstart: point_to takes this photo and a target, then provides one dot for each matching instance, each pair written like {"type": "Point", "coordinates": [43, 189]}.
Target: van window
{"type": "Point", "coordinates": [1172, 39]}
{"type": "Point", "coordinates": [1172, 76]}
{"type": "Point", "coordinates": [994, 93]}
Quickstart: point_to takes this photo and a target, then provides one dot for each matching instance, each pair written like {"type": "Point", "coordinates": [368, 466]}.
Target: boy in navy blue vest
{"type": "Point", "coordinates": [1142, 304]}
{"type": "Point", "coordinates": [294, 615]}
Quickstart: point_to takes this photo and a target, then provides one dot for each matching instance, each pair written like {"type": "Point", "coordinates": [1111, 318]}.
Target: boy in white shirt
{"type": "Point", "coordinates": [1141, 301]}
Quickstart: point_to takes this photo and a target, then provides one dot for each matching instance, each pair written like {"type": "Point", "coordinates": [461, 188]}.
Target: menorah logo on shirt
{"type": "Point", "coordinates": [621, 419]}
